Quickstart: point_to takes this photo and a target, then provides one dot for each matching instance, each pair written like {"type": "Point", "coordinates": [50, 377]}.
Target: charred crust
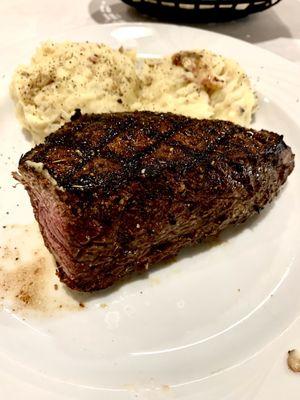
{"type": "Point", "coordinates": [77, 114]}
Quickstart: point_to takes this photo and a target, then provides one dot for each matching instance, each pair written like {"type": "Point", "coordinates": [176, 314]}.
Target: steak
{"type": "Point", "coordinates": [116, 193]}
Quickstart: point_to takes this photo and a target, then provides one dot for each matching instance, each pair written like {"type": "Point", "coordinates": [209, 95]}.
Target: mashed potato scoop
{"type": "Point", "coordinates": [95, 78]}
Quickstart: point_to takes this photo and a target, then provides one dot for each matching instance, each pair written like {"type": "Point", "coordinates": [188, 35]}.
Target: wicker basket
{"type": "Point", "coordinates": [200, 10]}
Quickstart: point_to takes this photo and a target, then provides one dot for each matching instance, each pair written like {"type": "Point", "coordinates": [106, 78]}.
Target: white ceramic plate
{"type": "Point", "coordinates": [171, 334]}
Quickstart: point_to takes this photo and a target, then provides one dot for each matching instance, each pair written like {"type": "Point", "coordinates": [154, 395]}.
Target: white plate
{"type": "Point", "coordinates": [168, 334]}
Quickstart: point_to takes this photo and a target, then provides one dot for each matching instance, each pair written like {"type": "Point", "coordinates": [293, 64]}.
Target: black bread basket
{"type": "Point", "coordinates": [200, 10]}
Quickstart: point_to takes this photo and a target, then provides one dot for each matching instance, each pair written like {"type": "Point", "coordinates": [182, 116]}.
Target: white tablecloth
{"type": "Point", "coordinates": [277, 30]}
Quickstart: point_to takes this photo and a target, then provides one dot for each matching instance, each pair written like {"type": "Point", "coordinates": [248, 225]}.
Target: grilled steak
{"type": "Point", "coordinates": [116, 193]}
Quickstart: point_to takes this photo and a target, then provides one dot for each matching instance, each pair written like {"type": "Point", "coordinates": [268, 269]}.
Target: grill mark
{"type": "Point", "coordinates": [129, 167]}
{"type": "Point", "coordinates": [90, 153]}
{"type": "Point", "coordinates": [132, 165]}
{"type": "Point", "coordinates": [201, 155]}
{"type": "Point", "coordinates": [204, 157]}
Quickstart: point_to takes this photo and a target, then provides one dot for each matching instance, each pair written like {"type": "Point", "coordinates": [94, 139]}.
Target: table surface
{"type": "Point", "coordinates": [277, 30]}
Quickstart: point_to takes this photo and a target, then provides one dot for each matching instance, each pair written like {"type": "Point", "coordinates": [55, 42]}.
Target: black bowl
{"type": "Point", "coordinates": [200, 10]}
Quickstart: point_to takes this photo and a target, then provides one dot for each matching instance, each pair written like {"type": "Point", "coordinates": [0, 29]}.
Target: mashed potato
{"type": "Point", "coordinates": [66, 76]}
{"type": "Point", "coordinates": [96, 78]}
{"type": "Point", "coordinates": [197, 84]}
